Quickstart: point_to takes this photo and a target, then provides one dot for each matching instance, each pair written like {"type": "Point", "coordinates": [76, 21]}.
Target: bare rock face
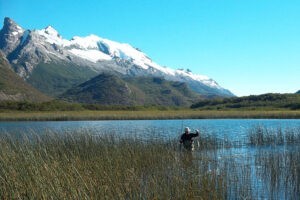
{"type": "Point", "coordinates": [10, 36]}
{"type": "Point", "coordinates": [11, 97]}
{"type": "Point", "coordinates": [27, 49]}
{"type": "Point", "coordinates": [13, 88]}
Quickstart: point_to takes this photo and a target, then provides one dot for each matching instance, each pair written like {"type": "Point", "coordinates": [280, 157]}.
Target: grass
{"type": "Point", "coordinates": [99, 167]}
{"type": "Point", "coordinates": [265, 136]}
{"type": "Point", "coordinates": [54, 79]}
{"type": "Point", "coordinates": [141, 114]}
{"type": "Point", "coordinates": [282, 171]}
{"type": "Point", "coordinates": [14, 88]}
{"type": "Point", "coordinates": [85, 166]}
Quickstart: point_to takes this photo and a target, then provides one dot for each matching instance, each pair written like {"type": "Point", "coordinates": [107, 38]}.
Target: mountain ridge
{"type": "Point", "coordinates": [26, 50]}
{"type": "Point", "coordinates": [109, 89]}
{"type": "Point", "coordinates": [14, 88]}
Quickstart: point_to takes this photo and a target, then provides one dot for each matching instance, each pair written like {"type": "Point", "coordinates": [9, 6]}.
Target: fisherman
{"type": "Point", "coordinates": [187, 139]}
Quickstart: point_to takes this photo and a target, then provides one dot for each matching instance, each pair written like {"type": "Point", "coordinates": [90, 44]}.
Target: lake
{"type": "Point", "coordinates": [235, 129]}
{"type": "Point", "coordinates": [264, 171]}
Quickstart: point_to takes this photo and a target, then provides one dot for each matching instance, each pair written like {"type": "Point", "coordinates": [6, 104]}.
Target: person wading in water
{"type": "Point", "coordinates": [187, 139]}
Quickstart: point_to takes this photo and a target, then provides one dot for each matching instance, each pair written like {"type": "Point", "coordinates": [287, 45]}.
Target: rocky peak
{"type": "Point", "coordinates": [27, 49]}
{"type": "Point", "coordinates": [8, 22]}
{"type": "Point", "coordinates": [9, 26]}
{"type": "Point", "coordinates": [51, 31]}
{"type": "Point", "coordinates": [10, 36]}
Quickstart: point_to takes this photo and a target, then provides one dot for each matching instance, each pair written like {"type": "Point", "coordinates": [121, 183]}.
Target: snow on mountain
{"type": "Point", "coordinates": [94, 49]}
{"type": "Point", "coordinates": [18, 30]}
{"type": "Point", "coordinates": [89, 42]}
{"type": "Point", "coordinates": [47, 45]}
{"type": "Point", "coordinates": [90, 54]}
{"type": "Point", "coordinates": [52, 36]}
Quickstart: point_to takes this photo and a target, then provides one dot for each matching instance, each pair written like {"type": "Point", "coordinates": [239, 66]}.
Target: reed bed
{"type": "Point", "coordinates": [148, 114]}
{"type": "Point", "coordinates": [281, 170]}
{"type": "Point", "coordinates": [260, 135]}
{"type": "Point", "coordinates": [83, 165]}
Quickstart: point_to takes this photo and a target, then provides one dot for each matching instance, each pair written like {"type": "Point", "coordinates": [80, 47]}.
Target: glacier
{"type": "Point", "coordinates": [95, 49]}
{"type": "Point", "coordinates": [27, 48]}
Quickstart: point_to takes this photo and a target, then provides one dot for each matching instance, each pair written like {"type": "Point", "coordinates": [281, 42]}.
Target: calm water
{"type": "Point", "coordinates": [233, 129]}
{"type": "Point", "coordinates": [250, 168]}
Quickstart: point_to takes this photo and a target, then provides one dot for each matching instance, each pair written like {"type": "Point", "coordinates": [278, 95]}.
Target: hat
{"type": "Point", "coordinates": [187, 129]}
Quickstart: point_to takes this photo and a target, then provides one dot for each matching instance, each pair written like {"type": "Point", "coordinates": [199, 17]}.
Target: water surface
{"type": "Point", "coordinates": [254, 172]}
{"type": "Point", "coordinates": [234, 129]}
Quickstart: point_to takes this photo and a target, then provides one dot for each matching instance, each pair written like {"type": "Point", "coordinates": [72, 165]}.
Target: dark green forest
{"type": "Point", "coordinates": [57, 105]}
{"type": "Point", "coordinates": [252, 102]}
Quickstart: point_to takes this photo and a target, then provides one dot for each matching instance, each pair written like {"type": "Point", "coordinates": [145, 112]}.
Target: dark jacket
{"type": "Point", "coordinates": [187, 140]}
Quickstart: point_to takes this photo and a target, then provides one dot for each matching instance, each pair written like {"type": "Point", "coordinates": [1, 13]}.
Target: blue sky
{"type": "Point", "coordinates": [247, 46]}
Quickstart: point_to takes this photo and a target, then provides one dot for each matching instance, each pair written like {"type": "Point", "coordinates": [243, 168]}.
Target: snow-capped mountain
{"type": "Point", "coordinates": [27, 49]}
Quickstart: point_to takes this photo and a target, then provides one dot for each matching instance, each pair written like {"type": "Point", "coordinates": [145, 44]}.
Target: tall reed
{"type": "Point", "coordinates": [260, 135]}
{"type": "Point", "coordinates": [281, 171]}
{"type": "Point", "coordinates": [85, 166]}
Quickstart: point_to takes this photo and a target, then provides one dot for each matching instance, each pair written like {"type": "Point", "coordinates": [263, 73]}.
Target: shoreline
{"type": "Point", "coordinates": [145, 115]}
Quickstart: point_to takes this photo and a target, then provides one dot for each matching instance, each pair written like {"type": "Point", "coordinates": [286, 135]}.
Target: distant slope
{"type": "Point", "coordinates": [265, 101]}
{"type": "Point", "coordinates": [298, 92]}
{"type": "Point", "coordinates": [13, 88]}
{"type": "Point", "coordinates": [158, 91]}
{"type": "Point", "coordinates": [105, 89]}
{"type": "Point", "coordinates": [70, 62]}
{"type": "Point", "coordinates": [108, 89]}
{"type": "Point", "coordinates": [55, 78]}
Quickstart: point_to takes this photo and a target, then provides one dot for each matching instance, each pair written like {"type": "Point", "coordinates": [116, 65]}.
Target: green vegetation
{"type": "Point", "coordinates": [54, 79]}
{"type": "Point", "coordinates": [13, 88]}
{"type": "Point", "coordinates": [252, 102]}
{"type": "Point", "coordinates": [141, 114]}
{"type": "Point", "coordinates": [158, 91]}
{"type": "Point", "coordinates": [109, 89]}
{"type": "Point", "coordinates": [103, 89]}
{"type": "Point", "coordinates": [99, 167]}
{"type": "Point", "coordinates": [41, 106]}
{"type": "Point", "coordinates": [59, 110]}
{"type": "Point", "coordinates": [86, 166]}
{"type": "Point", "coordinates": [263, 106]}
